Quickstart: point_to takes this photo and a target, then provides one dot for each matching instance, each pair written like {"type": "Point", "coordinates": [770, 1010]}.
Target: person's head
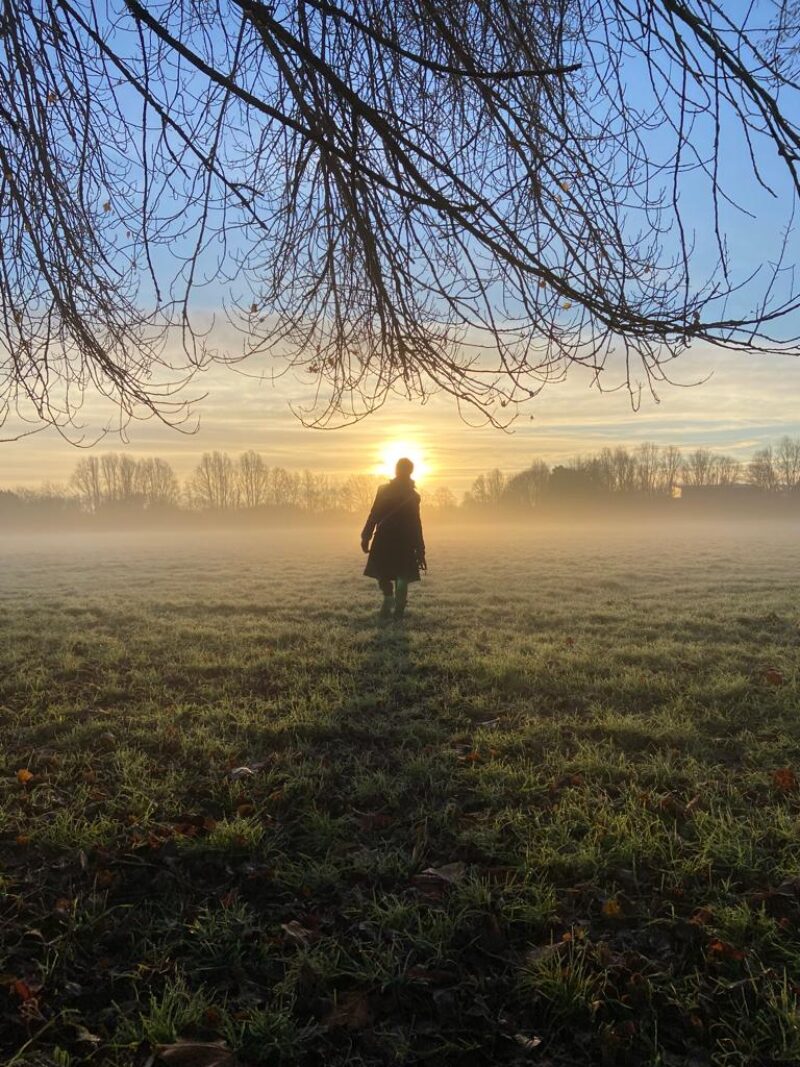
{"type": "Point", "coordinates": [404, 468]}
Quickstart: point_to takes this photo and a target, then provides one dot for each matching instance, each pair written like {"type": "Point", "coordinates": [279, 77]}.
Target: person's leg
{"type": "Point", "coordinates": [401, 597]}
{"type": "Point", "coordinates": [387, 588]}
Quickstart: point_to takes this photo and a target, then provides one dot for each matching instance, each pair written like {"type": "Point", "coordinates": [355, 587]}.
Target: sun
{"type": "Point", "coordinates": [394, 450]}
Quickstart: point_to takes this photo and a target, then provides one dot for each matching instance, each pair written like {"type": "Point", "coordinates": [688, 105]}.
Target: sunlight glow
{"type": "Point", "coordinates": [394, 450]}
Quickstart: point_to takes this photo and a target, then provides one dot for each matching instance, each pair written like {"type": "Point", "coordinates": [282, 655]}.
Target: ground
{"type": "Point", "coordinates": [552, 818]}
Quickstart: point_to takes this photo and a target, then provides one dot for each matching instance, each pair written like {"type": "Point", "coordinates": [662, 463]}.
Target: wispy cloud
{"type": "Point", "coordinates": [746, 402]}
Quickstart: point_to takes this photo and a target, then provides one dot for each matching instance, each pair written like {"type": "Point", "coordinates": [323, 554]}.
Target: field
{"type": "Point", "coordinates": [552, 818]}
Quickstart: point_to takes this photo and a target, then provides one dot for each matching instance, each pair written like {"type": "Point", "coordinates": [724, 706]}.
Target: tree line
{"type": "Point", "coordinates": [115, 482]}
{"type": "Point", "coordinates": [219, 482]}
{"type": "Point", "coordinates": [649, 470]}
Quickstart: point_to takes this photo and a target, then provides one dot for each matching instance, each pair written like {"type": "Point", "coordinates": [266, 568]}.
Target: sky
{"type": "Point", "coordinates": [747, 402]}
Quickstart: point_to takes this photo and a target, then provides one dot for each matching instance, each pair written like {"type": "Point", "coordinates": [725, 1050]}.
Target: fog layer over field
{"type": "Point", "coordinates": [513, 561]}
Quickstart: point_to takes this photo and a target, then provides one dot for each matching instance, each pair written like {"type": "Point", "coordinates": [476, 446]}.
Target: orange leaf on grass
{"type": "Point", "coordinates": [612, 909]}
{"type": "Point", "coordinates": [772, 676]}
{"type": "Point", "coordinates": [784, 780]}
{"type": "Point", "coordinates": [22, 990]}
{"type": "Point", "coordinates": [723, 950]}
{"type": "Point", "coordinates": [24, 776]}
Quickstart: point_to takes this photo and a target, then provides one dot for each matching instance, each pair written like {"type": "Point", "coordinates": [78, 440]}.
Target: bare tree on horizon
{"type": "Point", "coordinates": [392, 197]}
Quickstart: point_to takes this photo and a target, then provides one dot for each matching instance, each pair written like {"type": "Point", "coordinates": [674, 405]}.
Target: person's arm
{"type": "Point", "coordinates": [371, 523]}
{"type": "Point", "coordinates": [420, 539]}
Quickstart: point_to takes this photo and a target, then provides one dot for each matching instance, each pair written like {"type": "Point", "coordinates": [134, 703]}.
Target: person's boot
{"type": "Point", "coordinates": [386, 608]}
{"type": "Point", "coordinates": [401, 596]}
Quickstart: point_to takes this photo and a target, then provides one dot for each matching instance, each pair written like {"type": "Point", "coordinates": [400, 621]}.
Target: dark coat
{"type": "Point", "coordinates": [397, 546]}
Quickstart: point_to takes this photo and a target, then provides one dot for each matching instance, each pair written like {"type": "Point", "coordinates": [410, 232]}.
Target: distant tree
{"type": "Point", "coordinates": [698, 466]}
{"type": "Point", "coordinates": [109, 474]}
{"type": "Point", "coordinates": [284, 487]}
{"type": "Point", "coordinates": [156, 483]}
{"type": "Point", "coordinates": [315, 492]}
{"type": "Point", "coordinates": [358, 492]}
{"type": "Point", "coordinates": [671, 464]}
{"type": "Point", "coordinates": [487, 490]}
{"type": "Point", "coordinates": [725, 470]}
{"type": "Point", "coordinates": [86, 480]}
{"type": "Point", "coordinates": [649, 465]}
{"type": "Point", "coordinates": [118, 478]}
{"type": "Point", "coordinates": [787, 463]}
{"type": "Point", "coordinates": [576, 485]}
{"type": "Point", "coordinates": [623, 466]}
{"type": "Point", "coordinates": [761, 470]}
{"type": "Point", "coordinates": [213, 484]}
{"type": "Point", "coordinates": [253, 479]}
{"type": "Point", "coordinates": [441, 499]}
{"type": "Point", "coordinates": [526, 489]}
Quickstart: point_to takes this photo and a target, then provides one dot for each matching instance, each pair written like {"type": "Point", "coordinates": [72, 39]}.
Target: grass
{"type": "Point", "coordinates": [576, 727]}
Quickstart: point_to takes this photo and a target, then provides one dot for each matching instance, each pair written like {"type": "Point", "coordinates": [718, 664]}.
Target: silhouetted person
{"type": "Point", "coordinates": [398, 550]}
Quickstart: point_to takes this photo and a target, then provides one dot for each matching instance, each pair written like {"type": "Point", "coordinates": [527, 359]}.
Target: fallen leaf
{"type": "Point", "coordinates": [612, 909]}
{"type": "Point", "coordinates": [451, 873]}
{"type": "Point", "coordinates": [526, 1042]}
{"type": "Point", "coordinates": [245, 771]}
{"type": "Point", "coordinates": [196, 1054]}
{"type": "Point", "coordinates": [701, 916]}
{"type": "Point", "coordinates": [350, 1012]}
{"type": "Point", "coordinates": [82, 1034]}
{"type": "Point", "coordinates": [22, 990]}
{"type": "Point", "coordinates": [243, 810]}
{"type": "Point", "coordinates": [672, 805]}
{"type": "Point", "coordinates": [23, 839]}
{"type": "Point", "coordinates": [723, 950]}
{"type": "Point", "coordinates": [212, 1017]}
{"type": "Point", "coordinates": [24, 776]}
{"type": "Point", "coordinates": [240, 772]}
{"type": "Point", "coordinates": [772, 676]}
{"type": "Point", "coordinates": [784, 780]}
{"type": "Point", "coordinates": [470, 757]}
{"type": "Point", "coordinates": [298, 933]}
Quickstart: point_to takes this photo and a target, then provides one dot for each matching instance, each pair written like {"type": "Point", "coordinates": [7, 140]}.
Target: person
{"type": "Point", "coordinates": [397, 551]}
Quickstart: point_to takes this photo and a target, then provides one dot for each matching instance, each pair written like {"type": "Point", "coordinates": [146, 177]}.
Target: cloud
{"type": "Point", "coordinates": [747, 401]}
